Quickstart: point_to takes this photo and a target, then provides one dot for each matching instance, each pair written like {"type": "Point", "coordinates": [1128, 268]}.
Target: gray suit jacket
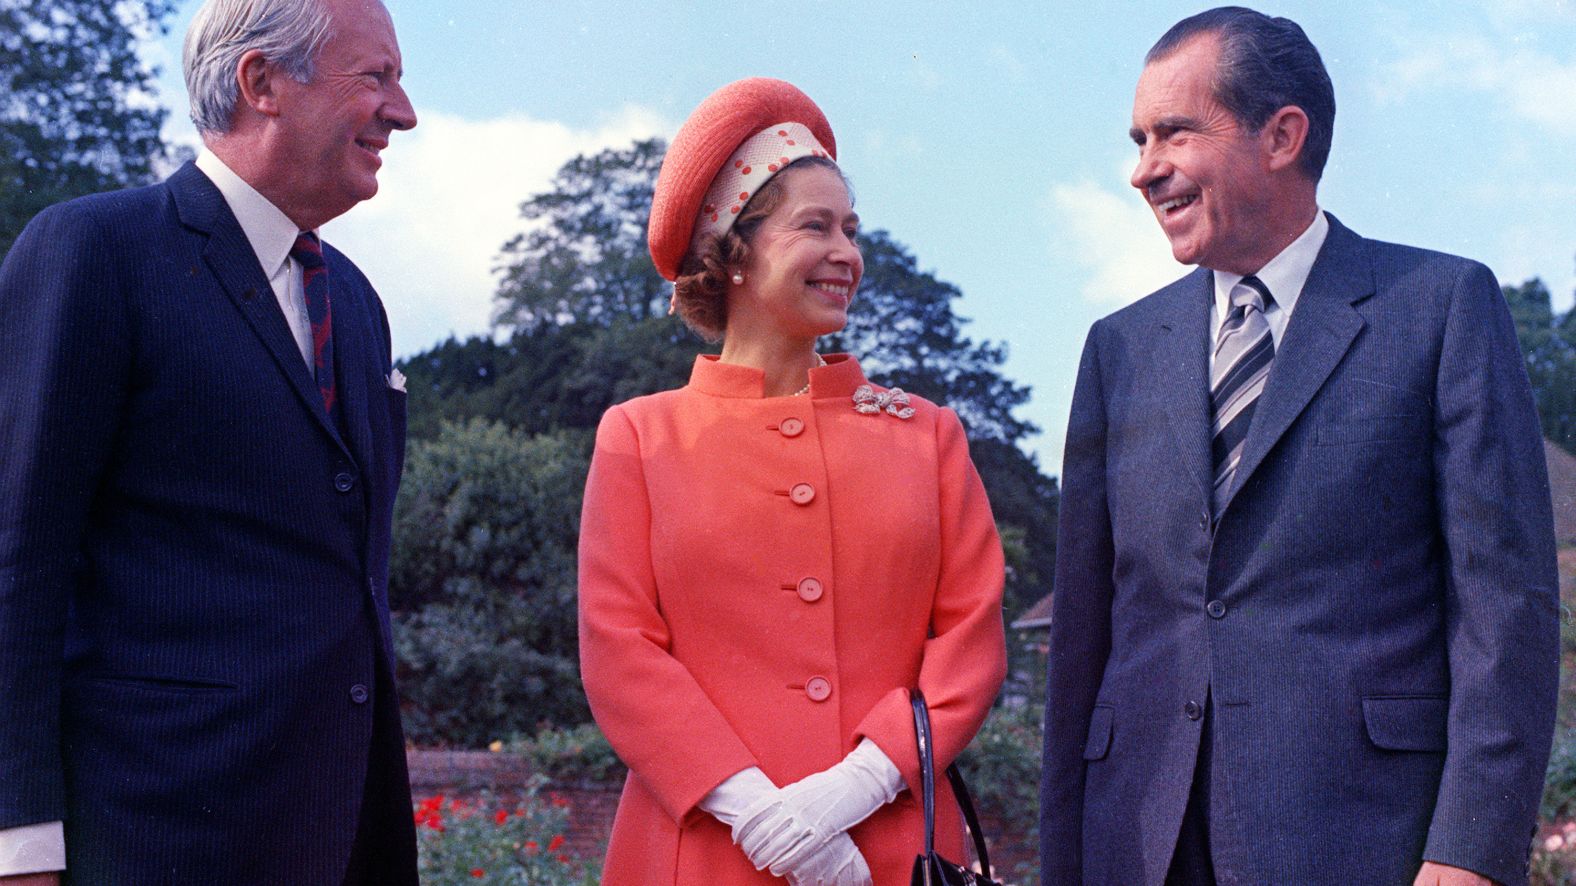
{"type": "Point", "coordinates": [1372, 617]}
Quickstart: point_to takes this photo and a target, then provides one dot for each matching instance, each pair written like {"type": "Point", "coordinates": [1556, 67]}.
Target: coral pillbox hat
{"type": "Point", "coordinates": [708, 139]}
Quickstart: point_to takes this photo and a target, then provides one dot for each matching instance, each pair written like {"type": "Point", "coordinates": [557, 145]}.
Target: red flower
{"type": "Point", "coordinates": [556, 843]}
{"type": "Point", "coordinates": [501, 816]}
{"type": "Point", "coordinates": [563, 859]}
{"type": "Point", "coordinates": [558, 799]}
{"type": "Point", "coordinates": [478, 873]}
{"type": "Point", "coordinates": [531, 848]}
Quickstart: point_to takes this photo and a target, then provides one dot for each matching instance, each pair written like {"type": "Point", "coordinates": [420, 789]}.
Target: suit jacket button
{"type": "Point", "coordinates": [1192, 710]}
{"type": "Point", "coordinates": [344, 481]}
{"type": "Point", "coordinates": [358, 694]}
{"type": "Point", "coordinates": [802, 493]}
{"type": "Point", "coordinates": [810, 590]}
{"type": "Point", "coordinates": [818, 688]}
{"type": "Point", "coordinates": [1216, 609]}
{"type": "Point", "coordinates": [791, 427]}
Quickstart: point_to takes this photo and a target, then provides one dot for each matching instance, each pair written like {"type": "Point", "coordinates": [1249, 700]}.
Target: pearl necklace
{"type": "Point", "coordinates": [806, 389]}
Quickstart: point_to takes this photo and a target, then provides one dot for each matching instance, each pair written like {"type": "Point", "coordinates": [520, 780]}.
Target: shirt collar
{"type": "Point", "coordinates": [1285, 274]}
{"type": "Point", "coordinates": [270, 232]}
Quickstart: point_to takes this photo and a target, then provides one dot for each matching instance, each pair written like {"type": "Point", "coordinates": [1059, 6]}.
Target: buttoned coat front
{"type": "Point", "coordinates": [761, 582]}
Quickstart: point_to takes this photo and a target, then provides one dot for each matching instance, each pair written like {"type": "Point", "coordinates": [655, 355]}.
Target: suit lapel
{"type": "Point", "coordinates": [230, 257]}
{"type": "Point", "coordinates": [1323, 326]}
{"type": "Point", "coordinates": [1182, 372]}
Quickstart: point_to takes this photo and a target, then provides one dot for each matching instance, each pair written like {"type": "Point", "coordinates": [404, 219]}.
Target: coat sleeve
{"type": "Point", "coordinates": [1080, 639]}
{"type": "Point", "coordinates": [1501, 589]}
{"type": "Point", "coordinates": [965, 658]}
{"type": "Point", "coordinates": [652, 710]}
{"type": "Point", "coordinates": [66, 339]}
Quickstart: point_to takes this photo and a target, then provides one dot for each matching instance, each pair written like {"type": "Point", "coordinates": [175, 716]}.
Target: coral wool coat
{"type": "Point", "coordinates": [761, 581]}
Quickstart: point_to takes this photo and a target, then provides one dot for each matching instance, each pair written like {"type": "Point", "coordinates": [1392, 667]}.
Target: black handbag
{"type": "Point", "coordinates": [930, 869]}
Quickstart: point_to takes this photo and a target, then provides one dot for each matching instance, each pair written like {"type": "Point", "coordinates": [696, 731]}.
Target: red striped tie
{"type": "Point", "coordinates": [314, 282]}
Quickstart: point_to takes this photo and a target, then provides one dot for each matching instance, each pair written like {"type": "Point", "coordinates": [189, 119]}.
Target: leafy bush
{"type": "Point", "coordinates": [489, 842]}
{"type": "Point", "coordinates": [1002, 769]}
{"type": "Point", "coordinates": [1559, 780]}
{"type": "Point", "coordinates": [482, 581]}
{"type": "Point", "coordinates": [580, 756]}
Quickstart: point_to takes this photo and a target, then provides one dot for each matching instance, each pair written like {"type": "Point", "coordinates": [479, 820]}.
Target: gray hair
{"type": "Point", "coordinates": [289, 33]}
{"type": "Point", "coordinates": [1265, 64]}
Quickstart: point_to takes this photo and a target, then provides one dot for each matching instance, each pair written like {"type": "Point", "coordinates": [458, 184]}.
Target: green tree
{"type": "Point", "coordinates": [76, 108]}
{"type": "Point", "coordinates": [583, 257]}
{"type": "Point", "coordinates": [1548, 344]}
{"type": "Point", "coordinates": [482, 583]}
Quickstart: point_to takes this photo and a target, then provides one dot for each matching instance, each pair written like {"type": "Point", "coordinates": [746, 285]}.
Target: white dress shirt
{"type": "Point", "coordinates": [38, 848]}
{"type": "Point", "coordinates": [271, 234]}
{"type": "Point", "coordinates": [1284, 276]}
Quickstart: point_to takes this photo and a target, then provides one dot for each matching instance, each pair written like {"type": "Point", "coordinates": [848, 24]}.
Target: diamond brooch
{"type": "Point", "coordinates": [893, 401]}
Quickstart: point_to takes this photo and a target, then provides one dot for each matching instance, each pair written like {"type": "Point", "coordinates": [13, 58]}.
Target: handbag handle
{"type": "Point", "coordinates": [927, 780]}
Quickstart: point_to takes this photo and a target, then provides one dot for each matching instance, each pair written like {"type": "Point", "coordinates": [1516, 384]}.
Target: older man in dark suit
{"type": "Point", "coordinates": [1306, 623]}
{"type": "Point", "coordinates": [202, 436]}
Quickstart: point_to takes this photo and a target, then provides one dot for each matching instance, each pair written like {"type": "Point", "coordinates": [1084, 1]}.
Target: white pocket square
{"type": "Point", "coordinates": [397, 381]}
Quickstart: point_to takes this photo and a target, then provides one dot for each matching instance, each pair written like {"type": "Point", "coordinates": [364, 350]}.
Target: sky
{"type": "Point", "coordinates": [989, 137]}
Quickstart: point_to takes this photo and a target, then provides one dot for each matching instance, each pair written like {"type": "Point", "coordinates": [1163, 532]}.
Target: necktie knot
{"type": "Point", "coordinates": [1250, 292]}
{"type": "Point", "coordinates": [307, 250]}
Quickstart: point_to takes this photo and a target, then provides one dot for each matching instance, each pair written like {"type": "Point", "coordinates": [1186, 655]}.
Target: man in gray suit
{"type": "Point", "coordinates": [1306, 617]}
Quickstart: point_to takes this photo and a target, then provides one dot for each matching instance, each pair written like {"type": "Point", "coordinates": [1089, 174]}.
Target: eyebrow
{"type": "Point", "coordinates": [825, 212]}
{"type": "Point", "coordinates": [1170, 123]}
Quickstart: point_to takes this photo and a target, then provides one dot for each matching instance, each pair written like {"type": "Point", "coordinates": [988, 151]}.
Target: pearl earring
{"type": "Point", "coordinates": [738, 279]}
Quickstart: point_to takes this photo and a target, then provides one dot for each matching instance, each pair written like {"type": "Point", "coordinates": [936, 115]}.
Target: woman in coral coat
{"type": "Point", "coordinates": [773, 555]}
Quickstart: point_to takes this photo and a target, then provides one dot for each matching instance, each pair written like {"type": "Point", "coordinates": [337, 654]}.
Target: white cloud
{"type": "Point", "coordinates": [1005, 62]}
{"type": "Point", "coordinates": [1113, 236]}
{"type": "Point", "coordinates": [1530, 84]}
{"type": "Point", "coordinates": [448, 198]}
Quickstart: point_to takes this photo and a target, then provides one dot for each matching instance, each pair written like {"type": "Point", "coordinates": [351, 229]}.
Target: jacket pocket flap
{"type": "Point", "coordinates": [1099, 740]}
{"type": "Point", "coordinates": [1407, 722]}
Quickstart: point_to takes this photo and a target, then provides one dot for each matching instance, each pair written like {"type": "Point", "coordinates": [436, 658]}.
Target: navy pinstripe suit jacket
{"type": "Point", "coordinates": [193, 558]}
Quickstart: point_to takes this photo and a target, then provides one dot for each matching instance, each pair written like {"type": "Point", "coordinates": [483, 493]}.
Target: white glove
{"type": "Point", "coordinates": [787, 830]}
{"type": "Point", "coordinates": [838, 863]}
{"type": "Point", "coordinates": [738, 792]}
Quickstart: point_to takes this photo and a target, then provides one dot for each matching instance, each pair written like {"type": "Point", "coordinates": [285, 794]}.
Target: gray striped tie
{"type": "Point", "coordinates": [1244, 351]}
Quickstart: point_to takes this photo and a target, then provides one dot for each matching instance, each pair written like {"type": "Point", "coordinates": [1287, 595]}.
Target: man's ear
{"type": "Point", "coordinates": [258, 81]}
{"type": "Point", "coordinates": [1283, 137]}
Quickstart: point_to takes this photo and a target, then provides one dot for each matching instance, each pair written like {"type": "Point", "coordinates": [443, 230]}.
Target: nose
{"type": "Point", "coordinates": [398, 111]}
{"type": "Point", "coordinates": [1149, 170]}
{"type": "Point", "coordinates": [846, 251]}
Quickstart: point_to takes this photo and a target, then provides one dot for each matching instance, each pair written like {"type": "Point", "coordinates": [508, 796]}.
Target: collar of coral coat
{"type": "Point", "coordinates": [838, 378]}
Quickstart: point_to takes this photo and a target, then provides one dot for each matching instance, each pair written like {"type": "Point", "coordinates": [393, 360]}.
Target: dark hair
{"type": "Point", "coordinates": [1265, 64]}
{"type": "Point", "coordinates": [700, 294]}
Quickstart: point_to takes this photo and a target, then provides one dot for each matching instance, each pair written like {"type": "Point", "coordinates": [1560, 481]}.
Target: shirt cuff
{"type": "Point", "coordinates": [32, 849]}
